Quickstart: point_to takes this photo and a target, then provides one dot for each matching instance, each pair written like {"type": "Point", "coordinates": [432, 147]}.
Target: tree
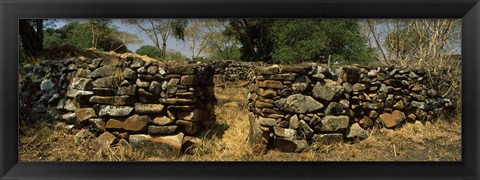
{"type": "Point", "coordinates": [253, 36]}
{"type": "Point", "coordinates": [194, 33]}
{"type": "Point", "coordinates": [414, 42]}
{"type": "Point", "coordinates": [298, 40]}
{"type": "Point", "coordinates": [31, 34]}
{"type": "Point", "coordinates": [96, 34]}
{"type": "Point", "coordinates": [150, 51]}
{"type": "Point", "coordinates": [217, 44]}
{"type": "Point", "coordinates": [159, 30]}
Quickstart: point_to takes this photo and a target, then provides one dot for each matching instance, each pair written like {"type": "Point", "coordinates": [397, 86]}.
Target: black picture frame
{"type": "Point", "coordinates": [468, 10]}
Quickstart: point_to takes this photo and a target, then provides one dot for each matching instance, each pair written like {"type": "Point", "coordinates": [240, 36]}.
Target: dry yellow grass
{"type": "Point", "coordinates": [227, 141]}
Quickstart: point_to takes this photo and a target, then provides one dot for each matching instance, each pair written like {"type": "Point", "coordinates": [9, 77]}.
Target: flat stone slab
{"type": "Point", "coordinates": [158, 145]}
{"type": "Point", "coordinates": [110, 110]}
{"type": "Point", "coordinates": [149, 108]}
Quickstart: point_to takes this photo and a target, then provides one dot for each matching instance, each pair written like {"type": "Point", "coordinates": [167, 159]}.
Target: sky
{"type": "Point", "coordinates": [172, 43]}
{"type": "Point", "coordinates": [178, 45]}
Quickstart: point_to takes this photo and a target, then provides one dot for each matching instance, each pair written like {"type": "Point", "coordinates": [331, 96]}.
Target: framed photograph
{"type": "Point", "coordinates": [239, 89]}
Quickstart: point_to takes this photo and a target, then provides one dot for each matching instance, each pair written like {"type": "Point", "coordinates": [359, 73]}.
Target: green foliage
{"type": "Point", "coordinates": [175, 55]}
{"type": "Point", "coordinates": [254, 37]}
{"type": "Point", "coordinates": [91, 33]}
{"type": "Point", "coordinates": [150, 51]}
{"type": "Point", "coordinates": [299, 40]}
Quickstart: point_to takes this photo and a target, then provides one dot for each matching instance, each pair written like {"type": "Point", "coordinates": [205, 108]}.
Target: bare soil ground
{"type": "Point", "coordinates": [227, 141]}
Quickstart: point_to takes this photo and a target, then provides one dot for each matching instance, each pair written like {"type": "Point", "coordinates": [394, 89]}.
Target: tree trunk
{"type": "Point", "coordinates": [32, 39]}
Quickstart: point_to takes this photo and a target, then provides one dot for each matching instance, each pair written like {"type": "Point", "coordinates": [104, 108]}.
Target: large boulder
{"type": "Point", "coordinates": [328, 91]}
{"type": "Point", "coordinates": [298, 103]}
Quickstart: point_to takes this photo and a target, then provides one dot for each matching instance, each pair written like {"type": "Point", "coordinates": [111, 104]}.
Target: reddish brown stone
{"type": "Point", "coordinates": [391, 120]}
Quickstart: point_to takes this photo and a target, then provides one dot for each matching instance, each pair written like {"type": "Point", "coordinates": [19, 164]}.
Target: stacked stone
{"type": "Point", "coordinates": [42, 86]}
{"type": "Point", "coordinates": [143, 102]}
{"type": "Point", "coordinates": [234, 70]}
{"type": "Point", "coordinates": [295, 106]}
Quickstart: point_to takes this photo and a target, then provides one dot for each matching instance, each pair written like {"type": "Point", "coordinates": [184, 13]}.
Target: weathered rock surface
{"type": "Point", "coordinates": [158, 145]}
{"type": "Point", "coordinates": [298, 103]}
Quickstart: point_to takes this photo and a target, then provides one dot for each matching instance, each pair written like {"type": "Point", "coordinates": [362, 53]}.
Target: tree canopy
{"type": "Point", "coordinates": [298, 40]}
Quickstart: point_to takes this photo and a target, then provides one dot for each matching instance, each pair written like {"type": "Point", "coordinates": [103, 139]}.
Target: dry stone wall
{"type": "Point", "coordinates": [160, 106]}
{"type": "Point", "coordinates": [296, 106]}
{"type": "Point", "coordinates": [150, 104]}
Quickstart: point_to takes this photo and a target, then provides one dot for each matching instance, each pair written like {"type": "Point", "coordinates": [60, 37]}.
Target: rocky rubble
{"type": "Point", "coordinates": [295, 106]}
{"type": "Point", "coordinates": [231, 70]}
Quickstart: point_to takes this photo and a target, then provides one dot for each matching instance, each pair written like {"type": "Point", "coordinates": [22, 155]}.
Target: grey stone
{"type": "Point", "coordinates": [162, 121]}
{"type": "Point", "coordinates": [305, 130]}
{"type": "Point", "coordinates": [162, 129]}
{"type": "Point", "coordinates": [334, 108]}
{"type": "Point", "coordinates": [105, 140]}
{"type": "Point", "coordinates": [285, 133]}
{"type": "Point", "coordinates": [355, 131]}
{"type": "Point", "coordinates": [137, 62]}
{"type": "Point", "coordinates": [257, 138]}
{"type": "Point", "coordinates": [334, 123]}
{"type": "Point", "coordinates": [152, 70]}
{"type": "Point", "coordinates": [142, 84]}
{"type": "Point", "coordinates": [127, 90]}
{"type": "Point", "coordinates": [104, 71]}
{"type": "Point", "coordinates": [141, 70]}
{"type": "Point", "coordinates": [112, 100]}
{"type": "Point", "coordinates": [274, 69]}
{"type": "Point", "coordinates": [298, 103]}
{"type": "Point", "coordinates": [80, 83]}
{"type": "Point", "coordinates": [267, 121]}
{"type": "Point", "coordinates": [129, 74]}
{"type": "Point", "coordinates": [326, 139]}
{"type": "Point", "coordinates": [83, 114]}
{"type": "Point", "coordinates": [158, 145]}
{"type": "Point", "coordinates": [329, 91]}
{"type": "Point", "coordinates": [107, 82]}
{"type": "Point", "coordinates": [289, 145]}
{"type": "Point", "coordinates": [46, 85]}
{"type": "Point", "coordinates": [144, 96]}
{"type": "Point", "coordinates": [98, 124]}
{"type": "Point", "coordinates": [71, 105]}
{"type": "Point", "coordinates": [136, 123]}
{"type": "Point", "coordinates": [300, 84]}
{"type": "Point", "coordinates": [149, 108]}
{"type": "Point", "coordinates": [110, 110]}
{"type": "Point", "coordinates": [294, 122]}
{"type": "Point", "coordinates": [155, 88]}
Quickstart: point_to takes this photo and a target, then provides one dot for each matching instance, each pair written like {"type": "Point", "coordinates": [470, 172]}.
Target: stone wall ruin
{"type": "Point", "coordinates": [296, 106]}
{"type": "Point", "coordinates": [147, 103]}
{"type": "Point", "coordinates": [162, 105]}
